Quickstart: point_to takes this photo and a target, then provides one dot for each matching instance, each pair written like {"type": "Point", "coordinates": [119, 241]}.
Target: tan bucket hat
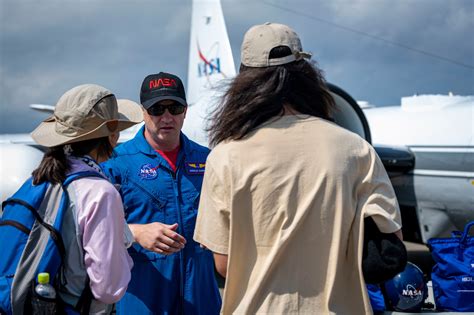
{"type": "Point", "coordinates": [261, 39]}
{"type": "Point", "coordinates": [86, 112]}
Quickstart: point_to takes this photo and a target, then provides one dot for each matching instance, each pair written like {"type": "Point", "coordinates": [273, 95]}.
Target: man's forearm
{"type": "Point", "coordinates": [221, 264]}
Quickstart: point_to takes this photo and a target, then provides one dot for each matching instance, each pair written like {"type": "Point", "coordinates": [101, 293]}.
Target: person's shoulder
{"type": "Point", "coordinates": [195, 148]}
{"type": "Point", "coordinates": [224, 149]}
{"type": "Point", "coordinates": [96, 186]}
{"type": "Point", "coordinates": [96, 192]}
{"type": "Point", "coordinates": [127, 148]}
{"type": "Point", "coordinates": [332, 139]}
{"type": "Point", "coordinates": [123, 152]}
{"type": "Point", "coordinates": [334, 131]}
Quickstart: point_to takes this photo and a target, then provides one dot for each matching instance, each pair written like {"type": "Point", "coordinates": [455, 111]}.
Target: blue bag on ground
{"type": "Point", "coordinates": [31, 241]}
{"type": "Point", "coordinates": [453, 272]}
{"type": "Point", "coordinates": [376, 298]}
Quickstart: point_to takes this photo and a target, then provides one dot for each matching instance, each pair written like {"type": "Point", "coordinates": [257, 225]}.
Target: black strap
{"type": "Point", "coordinates": [55, 235]}
{"type": "Point", "coordinates": [83, 306]}
{"type": "Point", "coordinates": [79, 175]}
{"type": "Point", "coordinates": [386, 299]}
{"type": "Point", "coordinates": [16, 224]}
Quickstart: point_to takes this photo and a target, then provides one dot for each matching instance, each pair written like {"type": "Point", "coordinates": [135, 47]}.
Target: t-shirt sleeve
{"type": "Point", "coordinates": [213, 220]}
{"type": "Point", "coordinates": [376, 197]}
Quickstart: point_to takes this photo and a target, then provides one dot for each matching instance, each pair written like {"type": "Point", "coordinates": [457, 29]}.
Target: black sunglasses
{"type": "Point", "coordinates": [173, 109]}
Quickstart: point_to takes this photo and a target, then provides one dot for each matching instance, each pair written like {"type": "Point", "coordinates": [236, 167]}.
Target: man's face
{"type": "Point", "coordinates": [164, 127]}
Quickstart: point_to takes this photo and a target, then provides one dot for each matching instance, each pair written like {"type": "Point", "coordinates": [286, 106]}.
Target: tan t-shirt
{"type": "Point", "coordinates": [286, 205]}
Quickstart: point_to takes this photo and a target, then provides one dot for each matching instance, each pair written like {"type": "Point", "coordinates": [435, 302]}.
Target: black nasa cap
{"type": "Point", "coordinates": [162, 86]}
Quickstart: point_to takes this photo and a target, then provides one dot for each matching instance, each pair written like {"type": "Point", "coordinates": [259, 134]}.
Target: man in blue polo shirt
{"type": "Point", "coordinates": [159, 174]}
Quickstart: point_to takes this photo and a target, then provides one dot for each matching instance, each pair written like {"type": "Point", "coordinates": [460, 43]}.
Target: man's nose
{"type": "Point", "coordinates": [166, 115]}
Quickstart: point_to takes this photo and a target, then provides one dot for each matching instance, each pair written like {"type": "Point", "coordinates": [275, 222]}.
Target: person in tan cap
{"type": "Point", "coordinates": [82, 133]}
{"type": "Point", "coordinates": [286, 191]}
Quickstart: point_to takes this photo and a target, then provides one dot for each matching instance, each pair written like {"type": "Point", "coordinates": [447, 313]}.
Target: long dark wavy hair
{"type": "Point", "coordinates": [258, 94]}
{"type": "Point", "coordinates": [54, 165]}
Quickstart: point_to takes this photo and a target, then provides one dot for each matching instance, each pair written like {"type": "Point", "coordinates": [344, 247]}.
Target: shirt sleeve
{"type": "Point", "coordinates": [213, 220]}
{"type": "Point", "coordinates": [101, 219]}
{"type": "Point", "coordinates": [376, 197]}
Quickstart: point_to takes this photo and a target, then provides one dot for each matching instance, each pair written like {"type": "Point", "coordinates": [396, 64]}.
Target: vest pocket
{"type": "Point", "coordinates": [134, 200]}
{"type": "Point", "coordinates": [192, 201]}
{"type": "Point", "coordinates": [139, 253]}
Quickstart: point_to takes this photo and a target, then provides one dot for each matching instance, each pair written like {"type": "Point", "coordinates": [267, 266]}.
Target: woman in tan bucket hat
{"type": "Point", "coordinates": [81, 134]}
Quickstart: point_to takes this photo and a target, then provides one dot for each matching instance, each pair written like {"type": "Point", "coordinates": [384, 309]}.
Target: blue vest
{"type": "Point", "coordinates": [183, 282]}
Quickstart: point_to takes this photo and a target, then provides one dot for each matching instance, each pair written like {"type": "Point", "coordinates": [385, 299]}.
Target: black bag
{"type": "Point", "coordinates": [384, 255]}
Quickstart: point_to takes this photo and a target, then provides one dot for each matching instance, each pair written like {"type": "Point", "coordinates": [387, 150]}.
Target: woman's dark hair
{"type": "Point", "coordinates": [54, 165]}
{"type": "Point", "coordinates": [258, 94]}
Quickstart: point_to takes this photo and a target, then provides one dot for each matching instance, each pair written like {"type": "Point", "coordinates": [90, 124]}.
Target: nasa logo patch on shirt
{"type": "Point", "coordinates": [195, 168]}
{"type": "Point", "coordinates": [147, 171]}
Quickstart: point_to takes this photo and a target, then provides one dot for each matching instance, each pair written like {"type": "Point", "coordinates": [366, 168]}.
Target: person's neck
{"type": "Point", "coordinates": [156, 144]}
{"type": "Point", "coordinates": [289, 110]}
{"type": "Point", "coordinates": [94, 154]}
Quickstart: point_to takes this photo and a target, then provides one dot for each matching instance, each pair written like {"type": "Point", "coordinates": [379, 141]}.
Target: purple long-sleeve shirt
{"type": "Point", "coordinates": [100, 219]}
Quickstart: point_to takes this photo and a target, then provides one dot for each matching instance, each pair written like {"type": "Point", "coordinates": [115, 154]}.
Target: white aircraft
{"type": "Point", "coordinates": [436, 197]}
{"type": "Point", "coordinates": [210, 65]}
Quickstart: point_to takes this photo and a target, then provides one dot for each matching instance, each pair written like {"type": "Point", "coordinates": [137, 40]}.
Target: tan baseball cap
{"type": "Point", "coordinates": [261, 39]}
{"type": "Point", "coordinates": [86, 112]}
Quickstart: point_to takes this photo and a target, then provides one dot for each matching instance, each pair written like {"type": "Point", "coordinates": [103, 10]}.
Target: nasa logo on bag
{"type": "Point", "coordinates": [148, 171]}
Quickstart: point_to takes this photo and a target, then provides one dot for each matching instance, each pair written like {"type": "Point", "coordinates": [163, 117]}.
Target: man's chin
{"type": "Point", "coordinates": [167, 131]}
{"type": "Point", "coordinates": [167, 136]}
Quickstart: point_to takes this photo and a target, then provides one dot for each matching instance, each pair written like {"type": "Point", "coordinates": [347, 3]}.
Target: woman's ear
{"type": "Point", "coordinates": [113, 139]}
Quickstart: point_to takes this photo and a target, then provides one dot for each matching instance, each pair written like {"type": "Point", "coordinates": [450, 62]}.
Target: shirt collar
{"type": "Point", "coordinates": [84, 163]}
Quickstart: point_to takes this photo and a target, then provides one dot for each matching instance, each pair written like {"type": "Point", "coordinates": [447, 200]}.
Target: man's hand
{"type": "Point", "coordinates": [158, 237]}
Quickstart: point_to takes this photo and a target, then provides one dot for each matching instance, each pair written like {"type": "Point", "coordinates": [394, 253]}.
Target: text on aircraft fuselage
{"type": "Point", "coordinates": [208, 67]}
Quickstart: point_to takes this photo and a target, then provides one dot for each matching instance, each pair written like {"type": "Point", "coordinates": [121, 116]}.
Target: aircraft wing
{"type": "Point", "coordinates": [17, 138]}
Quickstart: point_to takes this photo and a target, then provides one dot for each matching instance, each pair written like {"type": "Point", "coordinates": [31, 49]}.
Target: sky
{"type": "Point", "coordinates": [376, 50]}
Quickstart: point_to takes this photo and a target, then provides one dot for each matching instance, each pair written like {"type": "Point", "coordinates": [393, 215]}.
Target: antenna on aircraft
{"type": "Point", "coordinates": [42, 108]}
